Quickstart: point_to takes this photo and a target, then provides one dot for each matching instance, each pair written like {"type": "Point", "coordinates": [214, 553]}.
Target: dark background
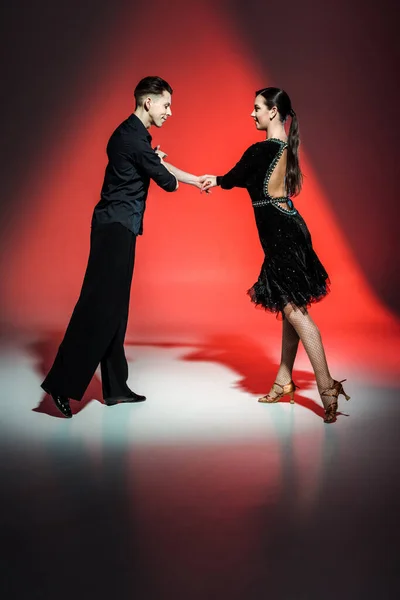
{"type": "Point", "coordinates": [127, 519]}
{"type": "Point", "coordinates": [339, 60]}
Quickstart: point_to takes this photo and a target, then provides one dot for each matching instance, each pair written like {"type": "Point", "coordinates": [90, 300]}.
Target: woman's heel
{"type": "Point", "coordinates": [333, 392]}
{"type": "Point", "coordinates": [283, 390]}
{"type": "Point", "coordinates": [341, 390]}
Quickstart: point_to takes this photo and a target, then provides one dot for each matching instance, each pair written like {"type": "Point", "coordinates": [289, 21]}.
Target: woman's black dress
{"type": "Point", "coordinates": [291, 272]}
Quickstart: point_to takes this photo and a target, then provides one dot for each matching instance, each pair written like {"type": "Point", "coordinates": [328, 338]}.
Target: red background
{"type": "Point", "coordinates": [70, 83]}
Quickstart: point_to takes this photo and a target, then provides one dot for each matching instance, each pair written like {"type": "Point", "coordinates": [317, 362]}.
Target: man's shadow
{"type": "Point", "coordinates": [45, 351]}
{"type": "Point", "coordinates": [245, 356]}
{"type": "Point", "coordinates": [241, 354]}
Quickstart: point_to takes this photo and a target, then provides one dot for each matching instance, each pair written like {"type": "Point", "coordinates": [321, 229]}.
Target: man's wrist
{"type": "Point", "coordinates": [189, 179]}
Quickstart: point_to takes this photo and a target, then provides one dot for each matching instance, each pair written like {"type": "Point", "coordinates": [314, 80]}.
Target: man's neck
{"type": "Point", "coordinates": [143, 116]}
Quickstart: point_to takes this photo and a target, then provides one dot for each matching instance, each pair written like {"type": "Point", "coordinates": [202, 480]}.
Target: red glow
{"type": "Point", "coordinates": [199, 254]}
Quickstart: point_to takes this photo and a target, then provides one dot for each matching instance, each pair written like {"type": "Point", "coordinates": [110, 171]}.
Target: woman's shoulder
{"type": "Point", "coordinates": [276, 140]}
{"type": "Point", "coordinates": [257, 148]}
{"type": "Point", "coordinates": [261, 150]}
{"type": "Point", "coordinates": [266, 145]}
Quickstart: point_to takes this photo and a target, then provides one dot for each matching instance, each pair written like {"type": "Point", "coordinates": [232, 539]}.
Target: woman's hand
{"type": "Point", "coordinates": [208, 182]}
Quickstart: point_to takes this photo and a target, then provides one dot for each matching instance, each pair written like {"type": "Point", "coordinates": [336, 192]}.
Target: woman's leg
{"type": "Point", "coordinates": [310, 337]}
{"type": "Point", "coordinates": [290, 344]}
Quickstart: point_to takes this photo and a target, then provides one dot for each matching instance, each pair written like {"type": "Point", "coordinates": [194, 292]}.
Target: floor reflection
{"type": "Point", "coordinates": [200, 492]}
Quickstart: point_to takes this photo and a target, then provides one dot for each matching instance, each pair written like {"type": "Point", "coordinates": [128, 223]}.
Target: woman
{"type": "Point", "coordinates": [291, 277]}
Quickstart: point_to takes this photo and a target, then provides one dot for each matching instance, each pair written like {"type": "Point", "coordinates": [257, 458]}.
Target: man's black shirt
{"type": "Point", "coordinates": [131, 164]}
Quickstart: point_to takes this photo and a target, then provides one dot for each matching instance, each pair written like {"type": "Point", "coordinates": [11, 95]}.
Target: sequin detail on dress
{"type": "Point", "coordinates": [276, 202]}
{"type": "Point", "coordinates": [291, 272]}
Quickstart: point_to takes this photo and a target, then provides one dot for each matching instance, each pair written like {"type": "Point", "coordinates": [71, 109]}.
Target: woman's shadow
{"type": "Point", "coordinates": [241, 354]}
{"type": "Point", "coordinates": [45, 351]}
{"type": "Point", "coordinates": [247, 358]}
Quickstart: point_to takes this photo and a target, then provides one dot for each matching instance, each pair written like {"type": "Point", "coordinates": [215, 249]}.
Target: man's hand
{"type": "Point", "coordinates": [160, 153]}
{"type": "Point", "coordinates": [207, 182]}
{"type": "Point", "coordinates": [198, 182]}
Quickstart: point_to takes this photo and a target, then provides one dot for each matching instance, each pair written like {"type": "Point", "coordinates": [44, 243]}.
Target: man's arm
{"type": "Point", "coordinates": [148, 160]}
{"type": "Point", "coordinates": [181, 176]}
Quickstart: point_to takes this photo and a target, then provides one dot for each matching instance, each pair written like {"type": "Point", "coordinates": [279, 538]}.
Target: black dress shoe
{"type": "Point", "coordinates": [131, 397]}
{"type": "Point", "coordinates": [62, 403]}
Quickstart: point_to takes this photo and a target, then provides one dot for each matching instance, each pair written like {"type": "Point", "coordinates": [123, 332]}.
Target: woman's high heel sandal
{"type": "Point", "coordinates": [283, 390]}
{"type": "Point", "coordinates": [333, 392]}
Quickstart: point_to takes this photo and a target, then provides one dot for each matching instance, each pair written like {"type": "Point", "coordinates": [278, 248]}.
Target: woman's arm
{"type": "Point", "coordinates": [236, 177]}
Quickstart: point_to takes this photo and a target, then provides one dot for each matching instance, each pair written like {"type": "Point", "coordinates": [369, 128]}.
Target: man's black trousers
{"type": "Point", "coordinates": [96, 331]}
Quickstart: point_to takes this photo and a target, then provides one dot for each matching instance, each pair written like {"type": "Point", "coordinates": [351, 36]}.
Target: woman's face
{"type": "Point", "coordinates": [262, 114]}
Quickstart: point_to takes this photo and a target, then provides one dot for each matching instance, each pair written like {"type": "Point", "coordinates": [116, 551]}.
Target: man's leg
{"type": "Point", "coordinates": [114, 367]}
{"type": "Point", "coordinates": [97, 315]}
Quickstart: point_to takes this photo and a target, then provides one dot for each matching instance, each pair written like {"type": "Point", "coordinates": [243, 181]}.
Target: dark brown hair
{"type": "Point", "coordinates": [151, 85]}
{"type": "Point", "coordinates": [279, 98]}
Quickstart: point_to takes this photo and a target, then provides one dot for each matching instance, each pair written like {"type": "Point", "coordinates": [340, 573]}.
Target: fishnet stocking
{"type": "Point", "coordinates": [290, 344]}
{"type": "Point", "coordinates": [310, 336]}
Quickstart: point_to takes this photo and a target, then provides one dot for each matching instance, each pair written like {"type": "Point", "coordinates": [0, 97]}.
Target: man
{"type": "Point", "coordinates": [96, 331]}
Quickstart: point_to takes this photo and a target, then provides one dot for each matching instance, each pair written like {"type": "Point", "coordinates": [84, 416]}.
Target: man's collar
{"type": "Point", "coordinates": [140, 126]}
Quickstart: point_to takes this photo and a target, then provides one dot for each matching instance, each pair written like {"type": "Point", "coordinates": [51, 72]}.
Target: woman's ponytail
{"type": "Point", "coordinates": [294, 176]}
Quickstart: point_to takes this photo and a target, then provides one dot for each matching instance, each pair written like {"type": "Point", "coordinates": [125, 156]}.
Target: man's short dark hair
{"type": "Point", "coordinates": [151, 85]}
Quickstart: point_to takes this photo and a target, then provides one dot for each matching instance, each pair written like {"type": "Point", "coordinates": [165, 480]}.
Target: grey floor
{"type": "Point", "coordinates": [200, 492]}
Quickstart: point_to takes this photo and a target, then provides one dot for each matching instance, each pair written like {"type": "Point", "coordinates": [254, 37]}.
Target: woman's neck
{"type": "Point", "coordinates": [277, 131]}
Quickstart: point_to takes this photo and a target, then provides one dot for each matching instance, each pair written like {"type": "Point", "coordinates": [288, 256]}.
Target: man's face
{"type": "Point", "coordinates": [159, 108]}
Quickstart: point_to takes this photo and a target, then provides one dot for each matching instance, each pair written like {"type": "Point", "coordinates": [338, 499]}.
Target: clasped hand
{"type": "Point", "coordinates": [207, 182]}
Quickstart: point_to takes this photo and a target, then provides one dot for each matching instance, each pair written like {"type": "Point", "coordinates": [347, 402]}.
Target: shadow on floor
{"type": "Point", "coordinates": [45, 351]}
{"type": "Point", "coordinates": [248, 359]}
{"type": "Point", "coordinates": [238, 353]}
